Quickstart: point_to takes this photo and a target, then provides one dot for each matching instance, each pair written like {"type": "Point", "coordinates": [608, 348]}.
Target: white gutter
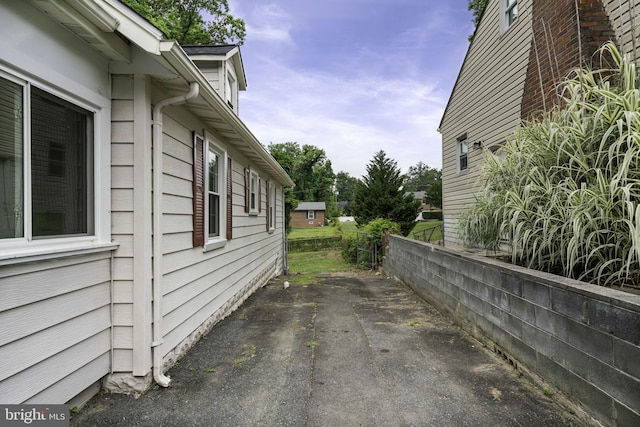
{"type": "Point", "coordinates": [158, 375]}
{"type": "Point", "coordinates": [180, 62]}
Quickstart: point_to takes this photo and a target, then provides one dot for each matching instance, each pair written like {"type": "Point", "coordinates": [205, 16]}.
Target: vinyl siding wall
{"type": "Point", "coordinates": [196, 285]}
{"type": "Point", "coordinates": [484, 105]}
{"type": "Point", "coordinates": [625, 21]}
{"type": "Point", "coordinates": [55, 310]}
{"type": "Point", "coordinates": [55, 334]}
{"type": "Point", "coordinates": [132, 217]}
{"type": "Point", "coordinates": [212, 70]}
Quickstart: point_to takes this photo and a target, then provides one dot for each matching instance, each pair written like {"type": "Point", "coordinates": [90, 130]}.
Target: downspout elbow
{"type": "Point", "coordinates": [160, 378]}
{"type": "Point", "coordinates": [194, 90]}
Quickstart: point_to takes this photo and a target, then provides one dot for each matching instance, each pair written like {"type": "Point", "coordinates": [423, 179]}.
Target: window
{"type": "Point", "coordinates": [463, 150]}
{"type": "Point", "coordinates": [46, 164]}
{"type": "Point", "coordinates": [212, 193]}
{"type": "Point", "coordinates": [230, 91]}
{"type": "Point", "coordinates": [271, 209]}
{"type": "Point", "coordinates": [214, 164]}
{"type": "Point", "coordinates": [510, 12]}
{"type": "Point", "coordinates": [254, 193]}
{"type": "Point", "coordinates": [311, 214]}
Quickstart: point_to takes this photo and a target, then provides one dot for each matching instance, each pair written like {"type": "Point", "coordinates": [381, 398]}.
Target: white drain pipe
{"type": "Point", "coordinates": [158, 375]}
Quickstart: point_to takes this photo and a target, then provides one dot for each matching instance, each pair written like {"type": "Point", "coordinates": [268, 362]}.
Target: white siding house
{"type": "Point", "coordinates": [520, 52]}
{"type": "Point", "coordinates": [126, 238]}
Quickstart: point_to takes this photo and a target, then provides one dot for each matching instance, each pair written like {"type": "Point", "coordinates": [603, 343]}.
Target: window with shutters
{"type": "Point", "coordinates": [271, 209]}
{"type": "Point", "coordinates": [254, 193]}
{"type": "Point", "coordinates": [211, 194]}
{"type": "Point", "coordinates": [216, 186]}
{"type": "Point", "coordinates": [46, 164]}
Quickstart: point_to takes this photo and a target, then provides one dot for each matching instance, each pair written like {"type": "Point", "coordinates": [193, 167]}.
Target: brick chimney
{"type": "Point", "coordinates": [566, 35]}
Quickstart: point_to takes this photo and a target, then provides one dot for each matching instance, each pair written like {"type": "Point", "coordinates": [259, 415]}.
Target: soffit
{"type": "Point", "coordinates": [90, 23]}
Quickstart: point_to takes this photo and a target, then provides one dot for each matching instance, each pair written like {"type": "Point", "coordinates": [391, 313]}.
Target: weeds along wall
{"type": "Point", "coordinates": [582, 339]}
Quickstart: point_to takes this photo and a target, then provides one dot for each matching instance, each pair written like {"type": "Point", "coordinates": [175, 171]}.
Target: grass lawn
{"type": "Point", "coordinates": [342, 228]}
{"type": "Point", "coordinates": [349, 229]}
{"type": "Point", "coordinates": [313, 232]}
{"type": "Point", "coordinates": [304, 266]}
{"type": "Point", "coordinates": [437, 234]}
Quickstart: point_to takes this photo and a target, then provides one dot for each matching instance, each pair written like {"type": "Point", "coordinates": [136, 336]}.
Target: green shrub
{"type": "Point", "coordinates": [437, 215]}
{"type": "Point", "coordinates": [376, 230]}
{"type": "Point", "coordinates": [349, 249]}
{"type": "Point", "coordinates": [379, 226]}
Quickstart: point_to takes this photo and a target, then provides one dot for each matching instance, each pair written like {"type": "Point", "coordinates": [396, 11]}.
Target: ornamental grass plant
{"type": "Point", "coordinates": [564, 193]}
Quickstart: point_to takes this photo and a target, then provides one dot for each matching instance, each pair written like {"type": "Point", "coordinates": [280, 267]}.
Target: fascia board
{"type": "Point", "coordinates": [187, 70]}
{"type": "Point", "coordinates": [239, 66]}
{"type": "Point", "coordinates": [133, 27]}
{"type": "Point", "coordinates": [100, 18]}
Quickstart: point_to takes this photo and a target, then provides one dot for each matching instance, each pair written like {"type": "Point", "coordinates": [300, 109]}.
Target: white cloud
{"type": "Point", "coordinates": [351, 78]}
{"type": "Point", "coordinates": [269, 22]}
{"type": "Point", "coordinates": [350, 118]}
{"type": "Point", "coordinates": [270, 33]}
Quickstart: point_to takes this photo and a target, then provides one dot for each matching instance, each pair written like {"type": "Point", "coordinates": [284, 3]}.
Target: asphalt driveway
{"type": "Point", "coordinates": [353, 350]}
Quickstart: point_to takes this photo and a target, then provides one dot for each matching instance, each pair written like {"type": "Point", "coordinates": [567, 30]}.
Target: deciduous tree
{"type": "Point", "coordinates": [310, 169]}
{"type": "Point", "coordinates": [192, 21]}
{"type": "Point", "coordinates": [477, 7]}
{"type": "Point", "coordinates": [345, 190]}
{"type": "Point", "coordinates": [424, 178]}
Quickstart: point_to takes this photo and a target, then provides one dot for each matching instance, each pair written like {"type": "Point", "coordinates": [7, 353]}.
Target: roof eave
{"type": "Point", "coordinates": [244, 138]}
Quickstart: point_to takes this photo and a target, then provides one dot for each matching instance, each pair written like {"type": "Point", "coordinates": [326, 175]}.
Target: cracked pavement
{"type": "Point", "coordinates": [351, 350]}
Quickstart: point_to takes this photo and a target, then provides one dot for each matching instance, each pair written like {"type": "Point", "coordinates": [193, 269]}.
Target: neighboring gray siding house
{"type": "Point", "coordinates": [520, 51]}
{"type": "Point", "coordinates": [136, 208]}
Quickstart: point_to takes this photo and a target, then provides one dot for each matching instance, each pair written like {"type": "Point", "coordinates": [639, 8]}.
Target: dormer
{"type": "Point", "coordinates": [223, 68]}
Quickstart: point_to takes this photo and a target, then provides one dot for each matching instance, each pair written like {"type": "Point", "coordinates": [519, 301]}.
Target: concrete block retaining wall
{"type": "Point", "coordinates": [582, 339]}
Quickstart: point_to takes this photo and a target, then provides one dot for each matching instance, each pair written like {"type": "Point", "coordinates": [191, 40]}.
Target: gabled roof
{"type": "Point", "coordinates": [311, 206]}
{"type": "Point", "coordinates": [215, 50]}
{"type": "Point", "coordinates": [112, 28]}
{"type": "Point", "coordinates": [222, 52]}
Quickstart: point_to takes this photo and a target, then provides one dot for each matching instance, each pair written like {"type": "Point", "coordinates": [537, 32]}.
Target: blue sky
{"type": "Point", "coordinates": [352, 76]}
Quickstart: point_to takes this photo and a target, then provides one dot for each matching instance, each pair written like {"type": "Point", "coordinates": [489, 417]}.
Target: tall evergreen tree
{"type": "Point", "coordinates": [380, 194]}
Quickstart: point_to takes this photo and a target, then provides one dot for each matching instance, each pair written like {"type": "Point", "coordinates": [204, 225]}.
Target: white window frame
{"type": "Point", "coordinates": [98, 236]}
{"type": "Point", "coordinates": [311, 214]}
{"type": "Point", "coordinates": [214, 242]}
{"type": "Point", "coordinates": [272, 206]}
{"type": "Point", "coordinates": [231, 88]}
{"type": "Point", "coordinates": [509, 10]}
{"type": "Point", "coordinates": [462, 153]}
{"type": "Point", "coordinates": [254, 192]}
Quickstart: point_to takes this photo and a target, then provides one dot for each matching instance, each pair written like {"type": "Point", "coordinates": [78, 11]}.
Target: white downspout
{"type": "Point", "coordinates": [158, 375]}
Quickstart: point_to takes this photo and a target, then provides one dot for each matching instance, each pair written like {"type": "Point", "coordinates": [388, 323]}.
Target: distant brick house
{"type": "Point", "coordinates": [309, 214]}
